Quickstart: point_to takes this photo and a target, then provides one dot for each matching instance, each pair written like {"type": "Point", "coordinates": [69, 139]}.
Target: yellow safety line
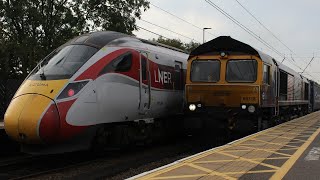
{"type": "Point", "coordinates": [269, 158]}
{"type": "Point", "coordinates": [252, 144]}
{"type": "Point", "coordinates": [233, 160]}
{"type": "Point", "coordinates": [289, 132]}
{"type": "Point", "coordinates": [270, 151]}
{"type": "Point", "coordinates": [152, 175]}
{"type": "Point", "coordinates": [275, 131]}
{"type": "Point", "coordinates": [239, 150]}
{"type": "Point", "coordinates": [244, 150]}
{"type": "Point", "coordinates": [180, 177]}
{"type": "Point", "coordinates": [290, 162]}
{"type": "Point", "coordinates": [286, 149]}
{"type": "Point", "coordinates": [273, 143]}
{"type": "Point", "coordinates": [215, 173]}
{"type": "Point", "coordinates": [250, 172]}
{"type": "Point", "coordinates": [284, 137]}
{"type": "Point", "coordinates": [249, 160]}
{"type": "Point", "coordinates": [299, 136]}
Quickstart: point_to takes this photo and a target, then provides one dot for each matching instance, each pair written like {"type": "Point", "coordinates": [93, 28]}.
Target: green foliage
{"type": "Point", "coordinates": [177, 43]}
{"type": "Point", "coordinates": [30, 29]}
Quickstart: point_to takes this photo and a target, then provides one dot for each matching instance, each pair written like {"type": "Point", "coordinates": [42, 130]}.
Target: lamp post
{"type": "Point", "coordinates": [204, 32]}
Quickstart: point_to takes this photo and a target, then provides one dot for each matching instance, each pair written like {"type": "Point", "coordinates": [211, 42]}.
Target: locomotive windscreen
{"type": "Point", "coordinates": [205, 71]}
{"type": "Point", "coordinates": [63, 63]}
{"type": "Point", "coordinates": [241, 70]}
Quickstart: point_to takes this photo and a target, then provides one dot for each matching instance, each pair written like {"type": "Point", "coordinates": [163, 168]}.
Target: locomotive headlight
{"type": "Point", "coordinates": [192, 107]}
{"type": "Point", "coordinates": [244, 107]}
{"type": "Point", "coordinates": [222, 54]}
{"type": "Point", "coordinates": [251, 109]}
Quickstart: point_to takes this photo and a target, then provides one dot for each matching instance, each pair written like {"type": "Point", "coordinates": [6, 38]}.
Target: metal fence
{"type": "Point", "coordinates": [7, 90]}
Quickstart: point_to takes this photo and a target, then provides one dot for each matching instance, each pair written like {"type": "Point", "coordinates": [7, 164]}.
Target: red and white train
{"type": "Point", "coordinates": [96, 88]}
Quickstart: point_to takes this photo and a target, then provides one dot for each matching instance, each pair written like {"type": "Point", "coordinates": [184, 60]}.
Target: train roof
{"type": "Point", "coordinates": [225, 44]}
{"type": "Point", "coordinates": [102, 38]}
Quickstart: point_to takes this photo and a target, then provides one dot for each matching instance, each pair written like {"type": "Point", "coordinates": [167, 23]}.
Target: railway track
{"type": "Point", "coordinates": [109, 164]}
{"type": "Point", "coordinates": [115, 164]}
{"type": "Point", "coordinates": [24, 166]}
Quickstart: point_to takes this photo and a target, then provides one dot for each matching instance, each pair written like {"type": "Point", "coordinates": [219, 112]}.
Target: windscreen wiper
{"type": "Point", "coordinates": [42, 75]}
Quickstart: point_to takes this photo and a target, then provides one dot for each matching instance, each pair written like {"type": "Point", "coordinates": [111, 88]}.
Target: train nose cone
{"type": "Point", "coordinates": [24, 114]}
{"type": "Point", "coordinates": [50, 125]}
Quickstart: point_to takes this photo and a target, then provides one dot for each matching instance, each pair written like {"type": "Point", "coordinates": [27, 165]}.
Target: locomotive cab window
{"type": "Point", "coordinates": [121, 63]}
{"type": "Point", "coordinates": [205, 71]}
{"type": "Point", "coordinates": [242, 71]}
{"type": "Point", "coordinates": [266, 74]}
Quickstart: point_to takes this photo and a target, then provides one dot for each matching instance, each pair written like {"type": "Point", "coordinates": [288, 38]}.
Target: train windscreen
{"type": "Point", "coordinates": [63, 63]}
{"type": "Point", "coordinates": [244, 70]}
{"type": "Point", "coordinates": [205, 71]}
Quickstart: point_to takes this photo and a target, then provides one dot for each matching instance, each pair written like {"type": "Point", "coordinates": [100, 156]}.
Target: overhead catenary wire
{"type": "Point", "coordinates": [152, 32]}
{"type": "Point", "coordinates": [192, 39]}
{"type": "Point", "coordinates": [180, 18]}
{"type": "Point", "coordinates": [250, 32]}
{"type": "Point", "coordinates": [264, 26]}
{"type": "Point", "coordinates": [308, 64]}
{"type": "Point", "coordinates": [292, 52]}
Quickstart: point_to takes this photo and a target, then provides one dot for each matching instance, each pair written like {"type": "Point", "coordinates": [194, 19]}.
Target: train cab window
{"type": "Point", "coordinates": [242, 70]}
{"type": "Point", "coordinates": [121, 63]}
{"type": "Point", "coordinates": [205, 71]}
{"type": "Point", "coordinates": [266, 74]}
{"type": "Point", "coordinates": [144, 68]}
{"type": "Point", "coordinates": [63, 63]}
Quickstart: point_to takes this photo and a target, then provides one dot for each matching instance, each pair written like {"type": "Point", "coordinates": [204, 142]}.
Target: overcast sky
{"type": "Point", "coordinates": [295, 22]}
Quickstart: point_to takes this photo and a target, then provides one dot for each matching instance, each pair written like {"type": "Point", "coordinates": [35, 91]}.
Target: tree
{"type": "Point", "coordinates": [30, 29]}
{"type": "Point", "coordinates": [191, 46]}
{"type": "Point", "coordinates": [177, 43]}
{"type": "Point", "coordinates": [118, 15]}
{"type": "Point", "coordinates": [170, 42]}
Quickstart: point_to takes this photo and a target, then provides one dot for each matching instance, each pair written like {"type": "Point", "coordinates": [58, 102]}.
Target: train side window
{"type": "Point", "coordinates": [121, 63]}
{"type": "Point", "coordinates": [306, 91]}
{"type": "Point", "coordinates": [144, 68]}
{"type": "Point", "coordinates": [283, 85]}
{"type": "Point", "coordinates": [266, 74]}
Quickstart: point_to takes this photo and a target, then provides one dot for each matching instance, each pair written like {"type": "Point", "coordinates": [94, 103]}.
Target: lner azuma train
{"type": "Point", "coordinates": [228, 79]}
{"type": "Point", "coordinates": [98, 88]}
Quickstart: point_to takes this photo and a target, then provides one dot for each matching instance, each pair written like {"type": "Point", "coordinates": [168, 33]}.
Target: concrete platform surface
{"type": "Point", "coordinates": [288, 151]}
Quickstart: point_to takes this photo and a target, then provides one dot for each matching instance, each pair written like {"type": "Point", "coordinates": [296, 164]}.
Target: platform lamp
{"type": "Point", "coordinates": [204, 32]}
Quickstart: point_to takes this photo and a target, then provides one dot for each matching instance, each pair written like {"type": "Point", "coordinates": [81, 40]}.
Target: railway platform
{"type": "Point", "coordinates": [288, 151]}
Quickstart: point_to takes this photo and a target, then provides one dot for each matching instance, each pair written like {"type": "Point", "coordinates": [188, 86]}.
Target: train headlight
{"type": "Point", "coordinates": [244, 107]}
{"type": "Point", "coordinates": [192, 107]}
{"type": "Point", "coordinates": [72, 89]}
{"type": "Point", "coordinates": [199, 105]}
{"type": "Point", "coordinates": [251, 109]}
